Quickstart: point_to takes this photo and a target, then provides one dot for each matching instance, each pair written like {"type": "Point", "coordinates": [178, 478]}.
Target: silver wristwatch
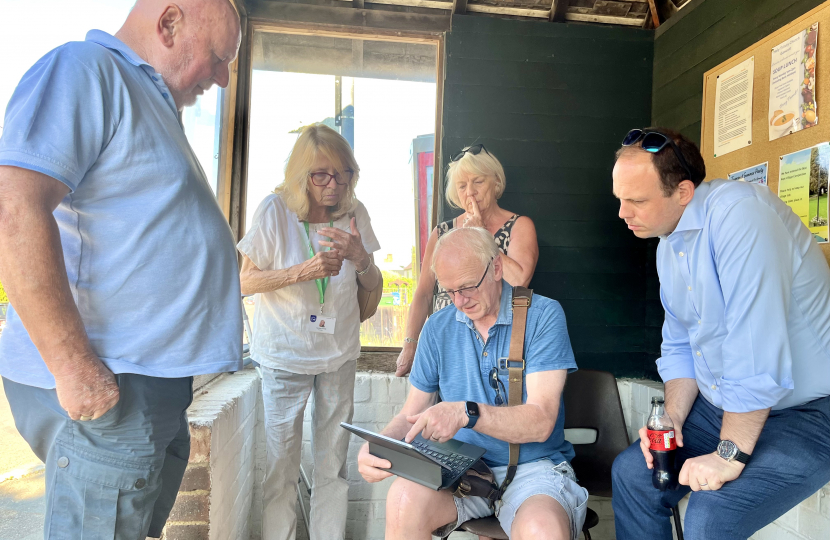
{"type": "Point", "coordinates": [730, 452]}
{"type": "Point", "coordinates": [410, 340]}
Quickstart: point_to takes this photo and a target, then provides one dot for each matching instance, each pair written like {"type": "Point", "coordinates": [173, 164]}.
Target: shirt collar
{"type": "Point", "coordinates": [505, 308]}
{"type": "Point", "coordinates": [111, 42]}
{"type": "Point", "coordinates": [694, 214]}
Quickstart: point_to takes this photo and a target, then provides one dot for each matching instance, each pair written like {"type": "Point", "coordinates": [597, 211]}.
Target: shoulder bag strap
{"type": "Point", "coordinates": [522, 297]}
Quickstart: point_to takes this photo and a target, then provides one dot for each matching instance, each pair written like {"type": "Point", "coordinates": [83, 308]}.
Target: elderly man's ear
{"type": "Point", "coordinates": [169, 25]}
{"type": "Point", "coordinates": [498, 269]}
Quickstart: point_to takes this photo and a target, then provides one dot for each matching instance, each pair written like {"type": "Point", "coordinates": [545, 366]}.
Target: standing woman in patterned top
{"type": "Point", "coordinates": [475, 180]}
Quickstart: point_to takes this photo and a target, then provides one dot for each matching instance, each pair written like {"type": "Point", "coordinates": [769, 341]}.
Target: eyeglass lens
{"type": "Point", "coordinates": [321, 179]}
{"type": "Point", "coordinates": [474, 150]}
{"type": "Point", "coordinates": [494, 384]}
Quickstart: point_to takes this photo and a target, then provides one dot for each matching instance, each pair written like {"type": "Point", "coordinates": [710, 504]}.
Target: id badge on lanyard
{"type": "Point", "coordinates": [318, 323]}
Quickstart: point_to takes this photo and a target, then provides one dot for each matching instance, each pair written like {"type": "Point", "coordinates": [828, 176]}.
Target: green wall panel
{"type": "Point", "coordinates": [552, 102]}
{"type": "Point", "coordinates": [701, 37]}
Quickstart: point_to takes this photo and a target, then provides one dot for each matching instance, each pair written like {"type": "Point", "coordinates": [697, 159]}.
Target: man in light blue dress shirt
{"type": "Point", "coordinates": [746, 346]}
{"type": "Point", "coordinates": [119, 265]}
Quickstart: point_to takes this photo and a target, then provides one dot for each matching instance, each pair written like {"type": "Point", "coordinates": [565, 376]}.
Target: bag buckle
{"type": "Point", "coordinates": [521, 301]}
{"type": "Point", "coordinates": [505, 363]}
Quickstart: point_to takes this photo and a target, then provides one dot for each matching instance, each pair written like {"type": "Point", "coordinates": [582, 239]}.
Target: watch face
{"type": "Point", "coordinates": [472, 408]}
{"type": "Point", "coordinates": [727, 450]}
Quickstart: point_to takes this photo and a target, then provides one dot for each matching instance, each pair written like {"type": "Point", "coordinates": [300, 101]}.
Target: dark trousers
{"type": "Point", "coordinates": [115, 477]}
{"type": "Point", "coordinates": [791, 461]}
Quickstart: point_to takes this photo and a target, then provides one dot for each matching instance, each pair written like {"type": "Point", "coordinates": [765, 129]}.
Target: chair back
{"type": "Point", "coordinates": [592, 402]}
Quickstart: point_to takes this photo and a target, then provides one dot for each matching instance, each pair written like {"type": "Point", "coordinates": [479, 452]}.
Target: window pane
{"type": "Point", "coordinates": [381, 97]}
{"type": "Point", "coordinates": [202, 125]}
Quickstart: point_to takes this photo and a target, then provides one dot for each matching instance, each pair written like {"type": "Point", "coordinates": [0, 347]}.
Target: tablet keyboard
{"type": "Point", "coordinates": [453, 464]}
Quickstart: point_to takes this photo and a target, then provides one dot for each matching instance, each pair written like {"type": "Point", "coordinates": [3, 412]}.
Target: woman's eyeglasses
{"type": "Point", "coordinates": [321, 179]}
{"type": "Point", "coordinates": [653, 142]}
{"type": "Point", "coordinates": [466, 292]}
{"type": "Point", "coordinates": [475, 150]}
{"type": "Point", "coordinates": [495, 383]}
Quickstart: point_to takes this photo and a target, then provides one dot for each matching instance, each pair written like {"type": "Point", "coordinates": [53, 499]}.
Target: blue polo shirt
{"type": "Point", "coordinates": [454, 361]}
{"type": "Point", "coordinates": [149, 255]}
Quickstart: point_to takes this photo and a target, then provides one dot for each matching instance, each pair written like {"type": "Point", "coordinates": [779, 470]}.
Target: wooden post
{"type": "Point", "coordinates": [654, 15]}
{"type": "Point", "coordinates": [459, 7]}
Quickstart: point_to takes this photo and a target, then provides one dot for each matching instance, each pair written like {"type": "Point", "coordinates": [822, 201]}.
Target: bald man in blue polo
{"type": "Point", "coordinates": [119, 265]}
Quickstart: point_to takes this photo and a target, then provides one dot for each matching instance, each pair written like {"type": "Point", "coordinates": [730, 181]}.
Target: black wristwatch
{"type": "Point", "coordinates": [472, 414]}
{"type": "Point", "coordinates": [729, 451]}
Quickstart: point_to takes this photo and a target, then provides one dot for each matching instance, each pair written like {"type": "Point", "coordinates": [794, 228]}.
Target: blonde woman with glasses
{"type": "Point", "coordinates": [475, 182]}
{"type": "Point", "coordinates": [309, 244]}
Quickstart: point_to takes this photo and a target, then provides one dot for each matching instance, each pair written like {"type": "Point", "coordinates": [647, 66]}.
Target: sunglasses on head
{"type": "Point", "coordinates": [653, 142]}
{"type": "Point", "coordinates": [474, 150]}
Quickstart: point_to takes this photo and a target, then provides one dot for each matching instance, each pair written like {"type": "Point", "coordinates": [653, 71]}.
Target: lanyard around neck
{"type": "Point", "coordinates": [322, 284]}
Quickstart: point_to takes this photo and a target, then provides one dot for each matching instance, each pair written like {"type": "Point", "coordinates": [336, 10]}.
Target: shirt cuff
{"type": "Point", "coordinates": [753, 393]}
{"type": "Point", "coordinates": [676, 366]}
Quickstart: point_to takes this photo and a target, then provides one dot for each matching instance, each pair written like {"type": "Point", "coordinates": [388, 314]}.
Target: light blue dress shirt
{"type": "Point", "coordinates": [150, 258]}
{"type": "Point", "coordinates": [453, 360]}
{"type": "Point", "coordinates": [746, 290]}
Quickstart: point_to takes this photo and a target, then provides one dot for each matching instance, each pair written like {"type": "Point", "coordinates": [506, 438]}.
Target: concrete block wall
{"type": "Point", "coordinates": [214, 501]}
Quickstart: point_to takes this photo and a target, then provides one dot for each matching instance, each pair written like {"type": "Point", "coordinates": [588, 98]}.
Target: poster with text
{"type": "Point", "coordinates": [792, 99]}
{"type": "Point", "coordinates": [803, 186]}
{"type": "Point", "coordinates": [733, 108]}
{"type": "Point", "coordinates": [752, 175]}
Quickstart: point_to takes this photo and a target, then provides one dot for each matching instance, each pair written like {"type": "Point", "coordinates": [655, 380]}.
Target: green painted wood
{"type": "Point", "coordinates": [713, 32]}
{"type": "Point", "coordinates": [553, 102]}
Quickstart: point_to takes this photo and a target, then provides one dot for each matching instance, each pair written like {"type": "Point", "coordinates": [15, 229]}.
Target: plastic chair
{"type": "Point", "coordinates": [595, 425]}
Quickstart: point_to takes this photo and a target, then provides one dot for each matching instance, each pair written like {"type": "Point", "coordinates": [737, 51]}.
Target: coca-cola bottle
{"type": "Point", "coordinates": [662, 446]}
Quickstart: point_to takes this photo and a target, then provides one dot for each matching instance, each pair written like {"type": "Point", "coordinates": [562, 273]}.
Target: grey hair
{"type": "Point", "coordinates": [479, 242]}
{"type": "Point", "coordinates": [482, 164]}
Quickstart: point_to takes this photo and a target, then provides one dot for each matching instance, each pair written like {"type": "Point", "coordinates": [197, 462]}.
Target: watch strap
{"type": "Point", "coordinates": [471, 418]}
{"type": "Point", "coordinates": [742, 457]}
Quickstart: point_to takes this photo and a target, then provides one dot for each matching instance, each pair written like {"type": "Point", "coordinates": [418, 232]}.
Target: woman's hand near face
{"type": "Point", "coordinates": [349, 245]}
{"type": "Point", "coordinates": [473, 216]}
{"type": "Point", "coordinates": [323, 264]}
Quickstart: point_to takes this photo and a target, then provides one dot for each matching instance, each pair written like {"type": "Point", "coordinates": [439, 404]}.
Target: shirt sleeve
{"type": "Point", "coordinates": [550, 347]}
{"type": "Point", "coordinates": [364, 227]}
{"type": "Point", "coordinates": [424, 375]}
{"type": "Point", "coordinates": [755, 256]}
{"type": "Point", "coordinates": [676, 361]}
{"type": "Point", "coordinates": [58, 120]}
{"type": "Point", "coordinates": [260, 243]}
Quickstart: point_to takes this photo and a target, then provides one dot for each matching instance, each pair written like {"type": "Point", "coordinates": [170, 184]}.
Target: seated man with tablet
{"type": "Point", "coordinates": [462, 359]}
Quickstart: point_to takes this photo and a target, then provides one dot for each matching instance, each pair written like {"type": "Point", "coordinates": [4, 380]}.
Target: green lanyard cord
{"type": "Point", "coordinates": [322, 284]}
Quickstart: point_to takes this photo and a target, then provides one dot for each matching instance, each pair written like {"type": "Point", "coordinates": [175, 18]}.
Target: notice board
{"type": "Point", "coordinates": [762, 149]}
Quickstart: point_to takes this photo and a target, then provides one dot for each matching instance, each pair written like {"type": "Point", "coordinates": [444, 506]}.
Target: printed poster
{"type": "Point", "coordinates": [803, 186]}
{"type": "Point", "coordinates": [752, 175]}
{"type": "Point", "coordinates": [792, 99]}
{"type": "Point", "coordinates": [733, 108]}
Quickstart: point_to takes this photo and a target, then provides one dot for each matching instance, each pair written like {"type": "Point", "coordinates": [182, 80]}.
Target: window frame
{"type": "Point", "coordinates": [236, 108]}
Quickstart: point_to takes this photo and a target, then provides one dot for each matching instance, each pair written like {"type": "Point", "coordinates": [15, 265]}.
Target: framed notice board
{"type": "Point", "coordinates": [772, 135]}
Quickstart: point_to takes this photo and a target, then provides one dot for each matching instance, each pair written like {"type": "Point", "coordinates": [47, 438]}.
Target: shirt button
{"type": "Point", "coordinates": [140, 483]}
{"type": "Point", "coordinates": [714, 387]}
{"type": "Point", "coordinates": [690, 288]}
{"type": "Point", "coordinates": [698, 353]}
{"type": "Point", "coordinates": [681, 253]}
{"type": "Point", "coordinates": [63, 462]}
{"type": "Point", "coordinates": [698, 322]}
{"type": "Point", "coordinates": [485, 354]}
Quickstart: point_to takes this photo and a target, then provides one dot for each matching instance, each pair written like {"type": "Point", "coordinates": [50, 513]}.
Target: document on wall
{"type": "Point", "coordinates": [803, 186]}
{"type": "Point", "coordinates": [752, 175]}
{"type": "Point", "coordinates": [733, 108]}
{"type": "Point", "coordinates": [792, 98]}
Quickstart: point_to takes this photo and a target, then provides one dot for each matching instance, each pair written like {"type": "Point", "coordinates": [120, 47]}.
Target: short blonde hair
{"type": "Point", "coordinates": [482, 164]}
{"type": "Point", "coordinates": [477, 241]}
{"type": "Point", "coordinates": [316, 140]}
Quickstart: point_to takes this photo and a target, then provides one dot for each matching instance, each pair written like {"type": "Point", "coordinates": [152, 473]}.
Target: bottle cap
{"type": "Point", "coordinates": [657, 400]}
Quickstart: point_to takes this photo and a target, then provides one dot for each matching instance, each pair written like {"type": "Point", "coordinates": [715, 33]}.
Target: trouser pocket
{"type": "Point", "coordinates": [88, 486]}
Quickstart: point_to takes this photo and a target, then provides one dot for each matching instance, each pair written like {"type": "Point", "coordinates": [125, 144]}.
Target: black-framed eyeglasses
{"type": "Point", "coordinates": [475, 150]}
{"type": "Point", "coordinates": [653, 142]}
{"type": "Point", "coordinates": [322, 178]}
{"type": "Point", "coordinates": [466, 292]}
{"type": "Point", "coordinates": [495, 383]}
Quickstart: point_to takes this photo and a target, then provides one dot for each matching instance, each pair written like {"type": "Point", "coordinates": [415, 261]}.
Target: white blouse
{"type": "Point", "coordinates": [276, 241]}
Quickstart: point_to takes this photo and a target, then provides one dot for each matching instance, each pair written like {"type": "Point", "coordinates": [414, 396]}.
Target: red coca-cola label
{"type": "Point", "coordinates": [662, 441]}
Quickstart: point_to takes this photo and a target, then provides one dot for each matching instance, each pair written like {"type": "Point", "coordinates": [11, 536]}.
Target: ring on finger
{"type": "Point", "coordinates": [704, 484]}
